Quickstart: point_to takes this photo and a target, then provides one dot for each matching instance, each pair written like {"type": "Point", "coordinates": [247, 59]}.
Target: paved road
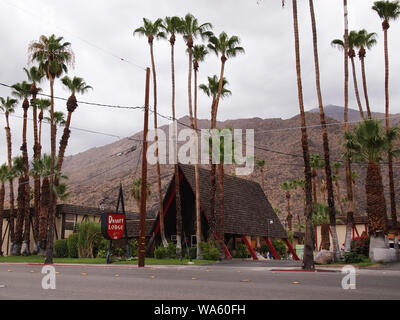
{"type": "Point", "coordinates": [221, 281]}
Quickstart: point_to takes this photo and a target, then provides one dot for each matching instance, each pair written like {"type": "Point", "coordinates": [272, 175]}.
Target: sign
{"type": "Point", "coordinates": [113, 225]}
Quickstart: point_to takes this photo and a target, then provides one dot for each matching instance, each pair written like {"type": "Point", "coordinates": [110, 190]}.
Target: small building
{"type": "Point", "coordinates": [248, 215]}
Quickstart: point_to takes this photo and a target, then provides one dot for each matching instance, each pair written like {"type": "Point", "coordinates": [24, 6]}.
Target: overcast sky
{"type": "Point", "coordinates": [263, 81]}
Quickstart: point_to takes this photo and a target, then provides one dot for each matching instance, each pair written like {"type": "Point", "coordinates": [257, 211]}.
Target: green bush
{"type": "Point", "coordinates": [192, 252]}
{"type": "Point", "coordinates": [242, 251]}
{"type": "Point", "coordinates": [360, 245]}
{"type": "Point", "coordinates": [101, 253]}
{"type": "Point", "coordinates": [209, 251]}
{"type": "Point", "coordinates": [133, 247]}
{"type": "Point", "coordinates": [61, 248]}
{"type": "Point", "coordinates": [72, 243]}
{"type": "Point", "coordinates": [160, 253]}
{"type": "Point", "coordinates": [89, 237]}
{"type": "Point", "coordinates": [264, 249]}
{"type": "Point", "coordinates": [354, 257]}
{"type": "Point", "coordinates": [171, 251]}
{"type": "Point", "coordinates": [280, 247]}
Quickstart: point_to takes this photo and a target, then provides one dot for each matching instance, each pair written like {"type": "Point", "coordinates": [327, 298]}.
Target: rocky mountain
{"type": "Point", "coordinates": [95, 174]}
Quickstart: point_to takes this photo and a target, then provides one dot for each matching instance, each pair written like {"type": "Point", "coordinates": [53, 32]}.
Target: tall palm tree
{"type": "Point", "coordinates": [325, 138]}
{"type": "Point", "coordinates": [199, 54]}
{"type": "Point", "coordinates": [4, 176]}
{"type": "Point", "coordinates": [387, 11]}
{"type": "Point", "coordinates": [365, 41]}
{"type": "Point", "coordinates": [19, 171]}
{"type": "Point", "coordinates": [42, 167]}
{"type": "Point", "coordinates": [288, 186]}
{"type": "Point", "coordinates": [336, 178]}
{"type": "Point", "coordinates": [8, 106]}
{"type": "Point", "coordinates": [172, 26]}
{"type": "Point", "coordinates": [43, 105]}
{"type": "Point", "coordinates": [22, 91]}
{"type": "Point", "coordinates": [74, 85]}
{"type": "Point", "coordinates": [316, 164]}
{"type": "Point", "coordinates": [136, 188]}
{"type": "Point", "coordinates": [53, 56]}
{"type": "Point", "coordinates": [35, 76]}
{"type": "Point", "coordinates": [153, 30]}
{"type": "Point", "coordinates": [226, 47]}
{"type": "Point", "coordinates": [191, 29]}
{"type": "Point", "coordinates": [321, 218]}
{"type": "Point", "coordinates": [308, 259]}
{"type": "Point", "coordinates": [338, 43]}
{"type": "Point", "coordinates": [369, 142]}
{"type": "Point", "coordinates": [349, 186]}
{"type": "Point", "coordinates": [211, 90]}
{"type": "Point", "coordinates": [261, 164]}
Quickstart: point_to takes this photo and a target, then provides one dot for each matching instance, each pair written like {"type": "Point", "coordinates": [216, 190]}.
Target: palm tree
{"type": "Point", "coordinates": [261, 164]}
{"type": "Point", "coordinates": [136, 188]}
{"type": "Point", "coordinates": [153, 30]}
{"type": "Point", "coordinates": [53, 56]}
{"type": "Point", "coordinates": [199, 54]}
{"type": "Point", "coordinates": [387, 11]}
{"type": "Point", "coordinates": [288, 186]}
{"type": "Point", "coordinates": [317, 164]}
{"type": "Point", "coordinates": [191, 29]}
{"type": "Point", "coordinates": [365, 41]}
{"type": "Point", "coordinates": [349, 186]}
{"type": "Point", "coordinates": [328, 169]}
{"type": "Point", "coordinates": [8, 106]}
{"type": "Point", "coordinates": [74, 85]}
{"type": "Point", "coordinates": [4, 176]}
{"type": "Point", "coordinates": [22, 91]}
{"type": "Point", "coordinates": [35, 76]}
{"type": "Point", "coordinates": [172, 26]}
{"type": "Point", "coordinates": [19, 171]}
{"type": "Point", "coordinates": [43, 105]}
{"type": "Point", "coordinates": [308, 259]}
{"type": "Point", "coordinates": [369, 143]}
{"type": "Point", "coordinates": [321, 218]}
{"type": "Point", "coordinates": [338, 43]}
{"type": "Point", "coordinates": [211, 90]}
{"type": "Point", "coordinates": [42, 168]}
{"type": "Point", "coordinates": [336, 178]}
{"type": "Point", "coordinates": [301, 183]}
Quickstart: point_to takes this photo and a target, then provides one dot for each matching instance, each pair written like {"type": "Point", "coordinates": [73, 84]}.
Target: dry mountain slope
{"type": "Point", "coordinates": [96, 173]}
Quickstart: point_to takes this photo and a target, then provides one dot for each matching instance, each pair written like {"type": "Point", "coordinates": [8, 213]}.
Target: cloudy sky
{"type": "Point", "coordinates": [263, 81]}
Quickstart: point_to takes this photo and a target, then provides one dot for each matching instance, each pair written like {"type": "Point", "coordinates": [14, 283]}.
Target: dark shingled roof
{"type": "Point", "coordinates": [247, 209]}
{"type": "Point", "coordinates": [133, 227]}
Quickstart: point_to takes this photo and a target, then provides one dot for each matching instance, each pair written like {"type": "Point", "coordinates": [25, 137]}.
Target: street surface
{"type": "Point", "coordinates": [228, 280]}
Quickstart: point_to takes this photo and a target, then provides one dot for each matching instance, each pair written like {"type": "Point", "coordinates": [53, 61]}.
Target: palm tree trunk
{"type": "Point", "coordinates": [326, 243]}
{"type": "Point", "coordinates": [160, 199]}
{"type": "Point", "coordinates": [36, 156]}
{"type": "Point", "coordinates": [289, 214]}
{"type": "Point", "coordinates": [20, 215]}
{"type": "Point", "coordinates": [349, 185]}
{"type": "Point", "coordinates": [212, 221]}
{"type": "Point", "coordinates": [328, 171]}
{"type": "Point", "coordinates": [2, 196]}
{"type": "Point", "coordinates": [221, 207]}
{"type": "Point", "coordinates": [43, 217]}
{"type": "Point", "coordinates": [26, 236]}
{"type": "Point", "coordinates": [308, 258]}
{"type": "Point", "coordinates": [387, 122]}
{"type": "Point", "coordinates": [339, 201]}
{"type": "Point", "coordinates": [50, 236]}
{"type": "Point", "coordinates": [364, 77]}
{"type": "Point", "coordinates": [11, 185]}
{"type": "Point", "coordinates": [356, 89]}
{"type": "Point", "coordinates": [197, 175]}
{"type": "Point", "coordinates": [174, 128]}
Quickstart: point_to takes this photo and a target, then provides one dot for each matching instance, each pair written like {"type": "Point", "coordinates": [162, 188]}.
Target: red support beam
{"type": "Point", "coordinates": [248, 244]}
{"type": "Point", "coordinates": [271, 247]}
{"type": "Point", "coordinates": [289, 245]}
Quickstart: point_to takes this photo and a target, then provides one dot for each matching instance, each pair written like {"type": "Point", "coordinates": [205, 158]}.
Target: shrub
{"type": "Point", "coordinates": [72, 243]}
{"type": "Point", "coordinates": [354, 257]}
{"type": "Point", "coordinates": [264, 249]}
{"type": "Point", "coordinates": [360, 245]}
{"type": "Point", "coordinates": [89, 236]}
{"type": "Point", "coordinates": [133, 247]}
{"type": "Point", "coordinates": [209, 251]}
{"type": "Point", "coordinates": [242, 251]}
{"type": "Point", "coordinates": [171, 251]}
{"type": "Point", "coordinates": [61, 248]}
{"type": "Point", "coordinates": [160, 252]}
{"type": "Point", "coordinates": [102, 253]}
{"type": "Point", "coordinates": [192, 252]}
{"type": "Point", "coordinates": [280, 247]}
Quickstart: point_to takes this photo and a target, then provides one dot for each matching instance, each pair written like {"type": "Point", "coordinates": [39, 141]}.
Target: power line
{"type": "Point", "coordinates": [40, 18]}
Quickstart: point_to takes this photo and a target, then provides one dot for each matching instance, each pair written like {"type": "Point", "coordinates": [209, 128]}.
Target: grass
{"type": "Point", "coordinates": [367, 263]}
{"type": "Point", "coordinates": [148, 261]}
